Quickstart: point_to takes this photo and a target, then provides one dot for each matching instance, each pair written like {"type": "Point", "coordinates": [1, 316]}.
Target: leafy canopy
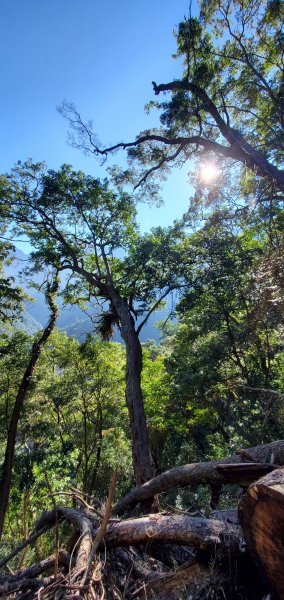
{"type": "Point", "coordinates": [80, 225]}
{"type": "Point", "coordinates": [226, 106]}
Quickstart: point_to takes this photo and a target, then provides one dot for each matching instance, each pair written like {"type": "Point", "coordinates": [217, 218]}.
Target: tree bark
{"type": "Point", "coordinates": [261, 515]}
{"type": "Point", "coordinates": [197, 532]}
{"type": "Point", "coordinates": [141, 456]}
{"type": "Point", "coordinates": [204, 473]}
{"type": "Point", "coordinates": [7, 468]}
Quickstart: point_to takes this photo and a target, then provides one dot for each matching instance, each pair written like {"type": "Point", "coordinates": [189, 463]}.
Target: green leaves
{"type": "Point", "coordinates": [68, 204]}
{"type": "Point", "coordinates": [11, 295]}
{"type": "Point", "coordinates": [227, 353]}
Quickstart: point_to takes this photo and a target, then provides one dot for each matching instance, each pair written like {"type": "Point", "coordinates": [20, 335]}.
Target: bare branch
{"type": "Point", "coordinates": [102, 529]}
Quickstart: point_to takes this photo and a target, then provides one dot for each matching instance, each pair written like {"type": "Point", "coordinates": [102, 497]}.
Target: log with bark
{"type": "Point", "coordinates": [138, 557]}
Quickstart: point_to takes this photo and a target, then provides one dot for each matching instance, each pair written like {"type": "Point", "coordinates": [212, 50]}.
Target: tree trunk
{"type": "Point", "coordinates": [261, 515]}
{"type": "Point", "coordinates": [7, 468]}
{"type": "Point", "coordinates": [141, 456]}
{"type": "Point", "coordinates": [196, 532]}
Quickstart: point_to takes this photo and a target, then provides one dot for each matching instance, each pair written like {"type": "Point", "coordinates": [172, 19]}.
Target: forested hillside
{"type": "Point", "coordinates": [74, 320]}
{"type": "Point", "coordinates": [124, 458]}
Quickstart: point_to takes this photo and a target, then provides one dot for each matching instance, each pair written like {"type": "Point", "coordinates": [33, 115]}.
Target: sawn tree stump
{"type": "Point", "coordinates": [261, 515]}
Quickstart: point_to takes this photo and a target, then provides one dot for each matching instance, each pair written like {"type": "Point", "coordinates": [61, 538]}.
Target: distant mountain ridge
{"type": "Point", "coordinates": [72, 319]}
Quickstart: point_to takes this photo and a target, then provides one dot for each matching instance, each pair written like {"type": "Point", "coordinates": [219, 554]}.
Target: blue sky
{"type": "Point", "coordinates": [100, 56]}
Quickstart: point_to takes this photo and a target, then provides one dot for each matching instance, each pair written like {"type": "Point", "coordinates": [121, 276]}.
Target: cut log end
{"type": "Point", "coordinates": [261, 515]}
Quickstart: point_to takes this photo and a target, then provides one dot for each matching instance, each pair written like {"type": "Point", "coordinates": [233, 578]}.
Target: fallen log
{"type": "Point", "coordinates": [27, 582]}
{"type": "Point", "coordinates": [196, 532]}
{"type": "Point", "coordinates": [31, 585]}
{"type": "Point", "coordinates": [204, 473]}
{"type": "Point", "coordinates": [261, 515]}
{"type": "Point", "coordinates": [206, 537]}
{"type": "Point", "coordinates": [244, 474]}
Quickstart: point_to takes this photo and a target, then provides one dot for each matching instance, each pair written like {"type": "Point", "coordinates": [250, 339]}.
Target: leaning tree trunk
{"type": "Point", "coordinates": [7, 468]}
{"type": "Point", "coordinates": [141, 456]}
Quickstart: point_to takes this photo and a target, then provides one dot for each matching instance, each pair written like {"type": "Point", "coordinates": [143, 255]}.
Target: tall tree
{"type": "Point", "coordinates": [7, 467]}
{"type": "Point", "coordinates": [228, 102]}
{"type": "Point", "coordinates": [77, 224]}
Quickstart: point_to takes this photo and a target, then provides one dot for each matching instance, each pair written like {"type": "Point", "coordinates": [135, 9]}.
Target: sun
{"type": "Point", "coordinates": [208, 172]}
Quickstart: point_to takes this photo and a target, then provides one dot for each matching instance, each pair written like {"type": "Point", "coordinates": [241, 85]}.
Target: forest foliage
{"type": "Point", "coordinates": [214, 384]}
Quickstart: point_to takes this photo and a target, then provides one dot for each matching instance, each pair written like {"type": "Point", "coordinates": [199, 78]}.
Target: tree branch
{"type": "Point", "coordinates": [247, 155]}
{"type": "Point", "coordinates": [154, 308]}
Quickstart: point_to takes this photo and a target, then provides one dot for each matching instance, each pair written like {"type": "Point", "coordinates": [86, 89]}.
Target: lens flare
{"type": "Point", "coordinates": [208, 172]}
